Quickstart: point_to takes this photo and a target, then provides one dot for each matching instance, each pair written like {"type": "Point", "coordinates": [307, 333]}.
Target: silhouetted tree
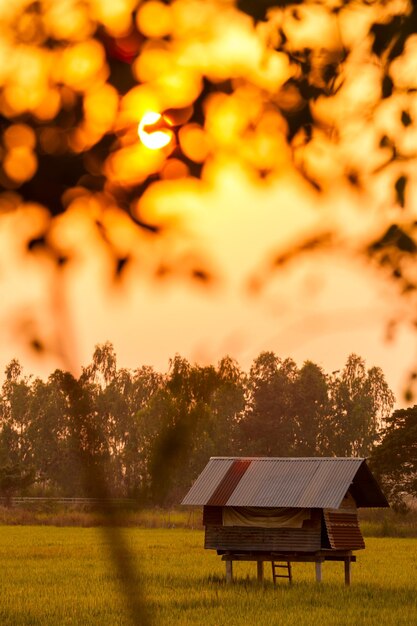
{"type": "Point", "coordinates": [311, 406]}
{"type": "Point", "coordinates": [394, 460]}
{"type": "Point", "coordinates": [148, 435]}
{"type": "Point", "coordinates": [268, 424]}
{"type": "Point", "coordinates": [360, 402]}
{"type": "Point", "coordinates": [14, 479]}
{"type": "Point", "coordinates": [16, 417]}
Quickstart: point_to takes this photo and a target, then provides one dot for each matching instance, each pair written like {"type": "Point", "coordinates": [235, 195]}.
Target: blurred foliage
{"type": "Point", "coordinates": [325, 88]}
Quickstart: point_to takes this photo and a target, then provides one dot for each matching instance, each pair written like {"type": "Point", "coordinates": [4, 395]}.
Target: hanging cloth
{"type": "Point", "coordinates": [265, 518]}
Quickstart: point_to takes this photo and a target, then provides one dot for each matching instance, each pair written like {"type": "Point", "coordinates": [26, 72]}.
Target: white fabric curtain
{"type": "Point", "coordinates": [265, 518]}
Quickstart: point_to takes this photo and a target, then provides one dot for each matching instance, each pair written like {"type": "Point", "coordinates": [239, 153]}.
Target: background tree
{"type": "Point", "coordinates": [131, 394]}
{"type": "Point", "coordinates": [191, 426]}
{"type": "Point", "coordinates": [360, 402]}
{"type": "Point", "coordinates": [14, 479]}
{"type": "Point", "coordinates": [57, 466]}
{"type": "Point", "coordinates": [103, 368]}
{"type": "Point", "coordinates": [147, 435]}
{"type": "Point", "coordinates": [227, 404]}
{"type": "Point", "coordinates": [268, 424]}
{"type": "Point", "coordinates": [394, 460]}
{"type": "Point", "coordinates": [16, 446]}
{"type": "Point", "coordinates": [311, 410]}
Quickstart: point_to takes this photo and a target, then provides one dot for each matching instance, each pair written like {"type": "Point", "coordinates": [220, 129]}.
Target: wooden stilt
{"type": "Point", "coordinates": [229, 571]}
{"type": "Point", "coordinates": [281, 563]}
{"type": "Point", "coordinates": [260, 568]}
{"type": "Point", "coordinates": [347, 570]}
{"type": "Point", "coordinates": [318, 571]}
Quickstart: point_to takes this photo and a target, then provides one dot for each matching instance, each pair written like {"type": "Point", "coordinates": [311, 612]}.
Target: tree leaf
{"type": "Point", "coordinates": [406, 119]}
{"type": "Point", "coordinates": [394, 237]}
{"type": "Point", "coordinates": [400, 186]}
{"type": "Point", "coordinates": [384, 34]}
{"type": "Point", "coordinates": [121, 264]}
{"type": "Point", "coordinates": [387, 86]}
{"type": "Point", "coordinates": [258, 8]}
{"type": "Point", "coordinates": [36, 243]}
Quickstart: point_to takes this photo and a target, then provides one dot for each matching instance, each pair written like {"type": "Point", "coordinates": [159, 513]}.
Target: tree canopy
{"type": "Point", "coordinates": [395, 458]}
{"type": "Point", "coordinates": [147, 435]}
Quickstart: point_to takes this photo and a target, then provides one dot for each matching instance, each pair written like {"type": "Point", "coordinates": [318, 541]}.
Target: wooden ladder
{"type": "Point", "coordinates": [277, 567]}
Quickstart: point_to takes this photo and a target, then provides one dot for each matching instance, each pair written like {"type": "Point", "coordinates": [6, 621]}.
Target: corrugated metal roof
{"type": "Point", "coordinates": [281, 482]}
{"type": "Point", "coordinates": [229, 482]}
{"type": "Point", "coordinates": [207, 482]}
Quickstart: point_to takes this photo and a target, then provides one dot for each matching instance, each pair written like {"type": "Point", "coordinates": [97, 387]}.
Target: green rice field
{"type": "Point", "coordinates": [53, 576]}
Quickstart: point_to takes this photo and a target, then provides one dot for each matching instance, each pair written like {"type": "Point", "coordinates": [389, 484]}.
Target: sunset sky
{"type": "Point", "coordinates": [322, 307]}
{"type": "Point", "coordinates": [207, 285]}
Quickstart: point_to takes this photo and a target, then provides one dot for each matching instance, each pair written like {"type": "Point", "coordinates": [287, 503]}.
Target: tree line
{"type": "Point", "coordinates": [148, 434]}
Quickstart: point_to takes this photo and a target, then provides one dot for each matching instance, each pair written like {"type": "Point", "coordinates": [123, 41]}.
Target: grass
{"type": "Point", "coordinates": [388, 523]}
{"type": "Point", "coordinates": [58, 515]}
{"type": "Point", "coordinates": [374, 523]}
{"type": "Point", "coordinates": [59, 576]}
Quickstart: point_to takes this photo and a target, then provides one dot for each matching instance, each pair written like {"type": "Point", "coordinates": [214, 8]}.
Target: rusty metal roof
{"type": "Point", "coordinates": [285, 482]}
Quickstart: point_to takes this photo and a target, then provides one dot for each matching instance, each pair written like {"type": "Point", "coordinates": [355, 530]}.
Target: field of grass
{"type": "Point", "coordinates": [374, 522]}
{"type": "Point", "coordinates": [388, 523]}
{"type": "Point", "coordinates": [55, 515]}
{"type": "Point", "coordinates": [59, 576]}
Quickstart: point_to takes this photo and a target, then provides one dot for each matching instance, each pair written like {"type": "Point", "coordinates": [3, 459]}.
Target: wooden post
{"type": "Point", "coordinates": [260, 565]}
{"type": "Point", "coordinates": [347, 570]}
{"type": "Point", "coordinates": [229, 571]}
{"type": "Point", "coordinates": [318, 571]}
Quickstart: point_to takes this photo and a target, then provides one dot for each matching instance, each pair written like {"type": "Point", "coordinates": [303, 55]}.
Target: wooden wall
{"type": "Point", "coordinates": [246, 538]}
{"type": "Point", "coordinates": [239, 538]}
{"type": "Point", "coordinates": [329, 528]}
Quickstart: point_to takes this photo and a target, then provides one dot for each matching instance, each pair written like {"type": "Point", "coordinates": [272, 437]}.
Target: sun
{"type": "Point", "coordinates": [154, 131]}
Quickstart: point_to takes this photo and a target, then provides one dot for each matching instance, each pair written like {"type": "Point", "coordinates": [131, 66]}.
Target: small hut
{"type": "Point", "coordinates": [284, 510]}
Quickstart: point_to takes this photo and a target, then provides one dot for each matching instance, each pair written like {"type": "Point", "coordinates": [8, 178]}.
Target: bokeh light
{"type": "Point", "coordinates": [194, 142]}
{"type": "Point", "coordinates": [155, 60]}
{"type": "Point", "coordinates": [149, 133]}
{"type": "Point", "coordinates": [19, 135]}
{"type": "Point", "coordinates": [68, 20]}
{"type": "Point", "coordinates": [135, 104]}
{"type": "Point", "coordinates": [133, 164]}
{"type": "Point", "coordinates": [20, 164]}
{"type": "Point", "coordinates": [81, 64]}
{"type": "Point", "coordinates": [100, 107]}
{"type": "Point", "coordinates": [154, 19]}
{"type": "Point", "coordinates": [115, 15]}
{"type": "Point", "coordinates": [174, 168]}
{"type": "Point", "coordinates": [50, 106]}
